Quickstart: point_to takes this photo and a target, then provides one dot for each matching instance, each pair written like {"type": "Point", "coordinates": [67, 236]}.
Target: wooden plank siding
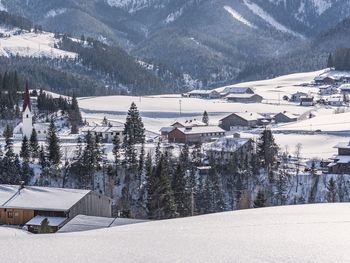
{"type": "Point", "coordinates": [92, 204]}
{"type": "Point", "coordinates": [11, 216]}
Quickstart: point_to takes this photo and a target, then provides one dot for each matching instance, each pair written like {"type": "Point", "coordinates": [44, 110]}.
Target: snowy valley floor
{"type": "Point", "coordinates": [307, 233]}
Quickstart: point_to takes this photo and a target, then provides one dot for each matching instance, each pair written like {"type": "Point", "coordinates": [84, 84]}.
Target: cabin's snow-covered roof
{"type": "Point", "coordinates": [343, 145]}
{"type": "Point", "coordinates": [250, 116]}
{"type": "Point", "coordinates": [233, 89]}
{"type": "Point", "coordinates": [40, 198]}
{"type": "Point", "coordinates": [344, 86]}
{"type": "Point", "coordinates": [201, 129]}
{"type": "Point", "coordinates": [102, 129]}
{"type": "Point", "coordinates": [342, 159]}
{"type": "Point", "coordinates": [53, 221]}
{"type": "Point", "coordinates": [84, 223]}
{"type": "Point", "coordinates": [288, 115]}
{"type": "Point", "coordinates": [201, 92]}
{"type": "Point", "coordinates": [241, 96]}
{"type": "Point", "coordinates": [226, 144]}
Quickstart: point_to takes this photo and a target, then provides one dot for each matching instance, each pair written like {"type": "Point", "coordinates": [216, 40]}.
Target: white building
{"type": "Point", "coordinates": [106, 133]}
{"type": "Point", "coordinates": [27, 117]}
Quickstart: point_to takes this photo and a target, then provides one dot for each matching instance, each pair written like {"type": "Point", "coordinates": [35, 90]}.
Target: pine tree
{"type": "Point", "coordinates": [267, 149]}
{"type": "Point", "coordinates": [34, 145]}
{"type": "Point", "coordinates": [181, 193]}
{"type": "Point", "coordinates": [160, 201]}
{"type": "Point", "coordinates": [331, 191]}
{"type": "Point", "coordinates": [45, 227]}
{"type": "Point", "coordinates": [330, 62]}
{"type": "Point", "coordinates": [74, 114]}
{"type": "Point", "coordinates": [134, 130]}
{"type": "Point", "coordinates": [42, 157]}
{"type": "Point", "coordinates": [53, 146]}
{"type": "Point", "coordinates": [116, 153]}
{"type": "Point", "coordinates": [205, 118]}
{"type": "Point", "coordinates": [25, 151]}
{"type": "Point", "coordinates": [8, 133]}
{"type": "Point", "coordinates": [260, 200]}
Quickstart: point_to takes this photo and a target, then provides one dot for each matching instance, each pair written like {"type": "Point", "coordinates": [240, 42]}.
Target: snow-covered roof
{"type": "Point", "coordinates": [343, 145]}
{"type": "Point", "coordinates": [201, 92]}
{"type": "Point", "coordinates": [241, 96]}
{"type": "Point", "coordinates": [201, 130]}
{"type": "Point", "coordinates": [102, 129]}
{"type": "Point", "coordinates": [288, 115]}
{"type": "Point", "coordinates": [40, 198]}
{"type": "Point", "coordinates": [166, 129]}
{"type": "Point", "coordinates": [233, 89]}
{"type": "Point", "coordinates": [344, 86]}
{"type": "Point", "coordinates": [226, 144]}
{"type": "Point", "coordinates": [189, 123]}
{"type": "Point", "coordinates": [250, 116]}
{"type": "Point", "coordinates": [53, 221]}
{"type": "Point", "coordinates": [84, 223]}
{"type": "Point", "coordinates": [342, 159]}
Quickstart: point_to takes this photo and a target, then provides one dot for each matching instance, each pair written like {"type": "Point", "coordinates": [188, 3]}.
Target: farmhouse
{"type": "Point", "coordinates": [326, 80]}
{"type": "Point", "coordinates": [229, 149]}
{"type": "Point", "coordinates": [106, 133]}
{"type": "Point", "coordinates": [296, 97]}
{"type": "Point", "coordinates": [21, 204]}
{"type": "Point", "coordinates": [284, 117]}
{"type": "Point", "coordinates": [307, 101]}
{"type": "Point", "coordinates": [224, 91]}
{"type": "Point", "coordinates": [203, 94]}
{"type": "Point", "coordinates": [345, 89]}
{"type": "Point", "coordinates": [336, 101]}
{"type": "Point", "coordinates": [241, 120]}
{"type": "Point", "coordinates": [328, 90]}
{"type": "Point", "coordinates": [341, 162]}
{"type": "Point", "coordinates": [193, 135]}
{"type": "Point", "coordinates": [244, 98]}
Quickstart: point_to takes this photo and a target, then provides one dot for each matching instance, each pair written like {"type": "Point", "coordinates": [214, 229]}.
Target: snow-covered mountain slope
{"type": "Point", "coordinates": [306, 233]}
{"type": "Point", "coordinates": [29, 44]}
{"type": "Point", "coordinates": [212, 40]}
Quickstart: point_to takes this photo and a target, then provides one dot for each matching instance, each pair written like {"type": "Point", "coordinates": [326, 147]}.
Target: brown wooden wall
{"type": "Point", "coordinates": [11, 216]}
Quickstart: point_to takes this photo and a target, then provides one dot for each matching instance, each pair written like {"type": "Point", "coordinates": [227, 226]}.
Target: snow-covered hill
{"type": "Point", "coordinates": [307, 233]}
{"type": "Point", "coordinates": [29, 44]}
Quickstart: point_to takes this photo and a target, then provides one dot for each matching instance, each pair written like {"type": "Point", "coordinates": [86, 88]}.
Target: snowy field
{"type": "Point", "coordinates": [158, 111]}
{"type": "Point", "coordinates": [163, 110]}
{"type": "Point", "coordinates": [29, 44]}
{"type": "Point", "coordinates": [307, 233]}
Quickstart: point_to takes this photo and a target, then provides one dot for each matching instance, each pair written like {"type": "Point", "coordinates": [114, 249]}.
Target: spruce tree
{"type": "Point", "coordinates": [116, 153]}
{"type": "Point", "coordinates": [331, 191]}
{"type": "Point", "coordinates": [53, 146]}
{"type": "Point", "coordinates": [44, 227]}
{"type": "Point", "coordinates": [8, 133]}
{"type": "Point", "coordinates": [34, 145]}
{"type": "Point", "coordinates": [134, 130]}
{"type": "Point", "coordinates": [267, 149]}
{"type": "Point", "coordinates": [182, 196]}
{"type": "Point", "coordinates": [205, 118]}
{"type": "Point", "coordinates": [74, 114]}
{"type": "Point", "coordinates": [330, 62]}
{"type": "Point", "coordinates": [25, 151]}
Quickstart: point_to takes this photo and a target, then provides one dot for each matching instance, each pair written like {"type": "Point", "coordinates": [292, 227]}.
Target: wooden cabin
{"type": "Point", "coordinates": [19, 204]}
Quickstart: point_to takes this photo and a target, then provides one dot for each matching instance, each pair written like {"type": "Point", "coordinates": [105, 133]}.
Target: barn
{"type": "Point", "coordinates": [193, 135]}
{"type": "Point", "coordinates": [20, 204]}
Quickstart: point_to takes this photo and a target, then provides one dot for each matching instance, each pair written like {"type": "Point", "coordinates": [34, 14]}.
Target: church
{"type": "Point", "coordinates": [25, 128]}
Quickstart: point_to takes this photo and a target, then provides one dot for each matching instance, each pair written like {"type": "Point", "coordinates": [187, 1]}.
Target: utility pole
{"type": "Point", "coordinates": [180, 107]}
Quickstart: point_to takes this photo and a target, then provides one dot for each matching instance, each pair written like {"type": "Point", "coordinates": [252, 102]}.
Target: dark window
{"type": "Point", "coordinates": [9, 214]}
{"type": "Point", "coordinates": [27, 116]}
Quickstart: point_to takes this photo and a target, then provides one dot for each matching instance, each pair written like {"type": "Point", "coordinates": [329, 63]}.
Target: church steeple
{"type": "Point", "coordinates": [26, 101]}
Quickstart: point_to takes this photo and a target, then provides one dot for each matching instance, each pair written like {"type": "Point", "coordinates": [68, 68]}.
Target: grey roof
{"type": "Point", "coordinates": [343, 145]}
{"type": "Point", "coordinates": [226, 144]}
{"type": "Point", "coordinates": [84, 223]}
{"type": "Point", "coordinates": [40, 198]}
{"type": "Point", "coordinates": [202, 130]}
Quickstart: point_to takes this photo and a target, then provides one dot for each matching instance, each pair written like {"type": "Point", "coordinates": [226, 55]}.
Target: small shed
{"type": "Point", "coordinates": [307, 101]}
{"type": "Point", "coordinates": [284, 117]}
{"type": "Point", "coordinates": [244, 98]}
{"type": "Point", "coordinates": [54, 223]}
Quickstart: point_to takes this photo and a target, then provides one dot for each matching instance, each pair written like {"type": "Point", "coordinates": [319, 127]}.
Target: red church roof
{"type": "Point", "coordinates": [26, 101]}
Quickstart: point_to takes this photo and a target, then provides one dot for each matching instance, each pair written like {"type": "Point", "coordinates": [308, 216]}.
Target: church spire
{"type": "Point", "coordinates": [26, 101]}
